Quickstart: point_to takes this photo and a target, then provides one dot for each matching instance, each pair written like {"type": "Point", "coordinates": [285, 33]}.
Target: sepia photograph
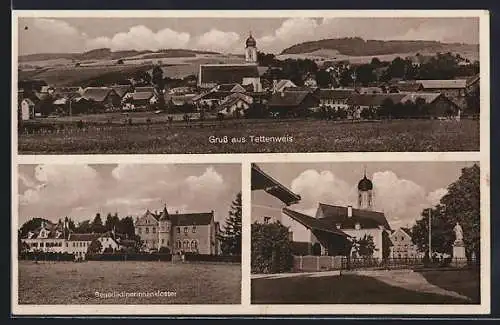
{"type": "Point", "coordinates": [366, 233]}
{"type": "Point", "coordinates": [250, 84]}
{"type": "Point", "coordinates": [129, 234]}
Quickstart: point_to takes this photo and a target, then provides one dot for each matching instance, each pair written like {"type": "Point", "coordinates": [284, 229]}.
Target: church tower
{"type": "Point", "coordinates": [251, 50]}
{"type": "Point", "coordinates": [365, 193]}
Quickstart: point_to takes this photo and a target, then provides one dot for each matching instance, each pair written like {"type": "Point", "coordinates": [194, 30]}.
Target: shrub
{"type": "Point", "coordinates": [191, 257]}
{"type": "Point", "coordinates": [271, 248]}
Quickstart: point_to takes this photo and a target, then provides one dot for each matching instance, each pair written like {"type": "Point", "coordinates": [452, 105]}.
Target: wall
{"type": "Point", "coordinates": [56, 249]}
{"type": "Point", "coordinates": [147, 234]}
{"type": "Point", "coordinates": [202, 236]}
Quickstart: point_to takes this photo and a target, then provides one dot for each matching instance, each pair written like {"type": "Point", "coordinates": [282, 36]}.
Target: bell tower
{"type": "Point", "coordinates": [250, 49]}
{"type": "Point", "coordinates": [365, 193]}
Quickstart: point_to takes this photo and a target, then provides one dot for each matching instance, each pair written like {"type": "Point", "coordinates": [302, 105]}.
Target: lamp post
{"type": "Point", "coordinates": [430, 234]}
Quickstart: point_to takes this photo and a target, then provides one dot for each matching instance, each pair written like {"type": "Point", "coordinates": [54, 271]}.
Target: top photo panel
{"type": "Point", "coordinates": [259, 83]}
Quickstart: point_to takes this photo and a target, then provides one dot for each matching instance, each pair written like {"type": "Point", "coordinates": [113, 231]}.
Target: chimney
{"type": "Point", "coordinates": [349, 211]}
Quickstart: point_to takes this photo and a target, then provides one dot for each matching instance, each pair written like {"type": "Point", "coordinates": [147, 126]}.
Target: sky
{"type": "Point", "coordinates": [401, 189]}
{"type": "Point", "coordinates": [69, 35]}
{"type": "Point", "coordinates": [80, 191]}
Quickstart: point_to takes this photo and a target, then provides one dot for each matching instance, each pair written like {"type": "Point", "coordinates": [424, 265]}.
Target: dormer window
{"type": "Point", "coordinates": [357, 226]}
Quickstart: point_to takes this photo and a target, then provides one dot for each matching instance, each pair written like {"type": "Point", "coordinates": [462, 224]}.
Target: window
{"type": "Point", "coordinates": [41, 244]}
{"type": "Point", "coordinates": [194, 229]}
{"type": "Point", "coordinates": [186, 230]}
{"type": "Point", "coordinates": [168, 242]}
{"type": "Point", "coordinates": [178, 244]}
{"type": "Point", "coordinates": [185, 244]}
{"type": "Point", "coordinates": [73, 244]}
{"type": "Point", "coordinates": [139, 230]}
{"type": "Point", "coordinates": [154, 229]}
{"type": "Point", "coordinates": [178, 230]}
{"type": "Point", "coordinates": [147, 230]}
{"type": "Point", "coordinates": [67, 244]}
{"type": "Point", "coordinates": [162, 240]}
{"type": "Point", "coordinates": [193, 244]}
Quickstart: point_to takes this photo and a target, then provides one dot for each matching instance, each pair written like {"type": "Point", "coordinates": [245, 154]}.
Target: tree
{"type": "Point", "coordinates": [112, 221]}
{"type": "Point", "coordinates": [376, 62]}
{"type": "Point", "coordinates": [84, 227]}
{"type": "Point", "coordinates": [386, 108]}
{"type": "Point", "coordinates": [271, 248]}
{"type": "Point", "coordinates": [364, 246]}
{"type": "Point", "coordinates": [323, 79]}
{"type": "Point", "coordinates": [31, 225]}
{"type": "Point", "coordinates": [97, 225]}
{"type": "Point", "coordinates": [95, 247]}
{"type": "Point", "coordinates": [460, 204]}
{"type": "Point", "coordinates": [231, 236]}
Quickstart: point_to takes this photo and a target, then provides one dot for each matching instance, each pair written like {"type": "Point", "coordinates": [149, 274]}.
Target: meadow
{"type": "Point", "coordinates": [77, 283]}
{"type": "Point", "coordinates": [117, 137]}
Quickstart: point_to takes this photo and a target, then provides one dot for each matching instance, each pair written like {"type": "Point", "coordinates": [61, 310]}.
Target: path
{"type": "Point", "coordinates": [407, 279]}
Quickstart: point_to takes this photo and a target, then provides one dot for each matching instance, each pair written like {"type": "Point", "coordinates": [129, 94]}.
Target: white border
{"type": "Point", "coordinates": [245, 308]}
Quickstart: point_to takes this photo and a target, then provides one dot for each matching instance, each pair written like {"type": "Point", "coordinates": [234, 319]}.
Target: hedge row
{"type": "Point", "coordinates": [213, 258]}
{"type": "Point", "coordinates": [129, 257]}
{"type": "Point", "coordinates": [46, 256]}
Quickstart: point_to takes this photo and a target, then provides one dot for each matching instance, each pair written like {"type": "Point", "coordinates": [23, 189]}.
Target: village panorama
{"type": "Point", "coordinates": [314, 95]}
{"type": "Point", "coordinates": [135, 248]}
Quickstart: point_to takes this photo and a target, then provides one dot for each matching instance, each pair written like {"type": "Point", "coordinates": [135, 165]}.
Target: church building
{"type": "Point", "coordinates": [211, 75]}
{"type": "Point", "coordinates": [179, 232]}
{"type": "Point", "coordinates": [335, 229]}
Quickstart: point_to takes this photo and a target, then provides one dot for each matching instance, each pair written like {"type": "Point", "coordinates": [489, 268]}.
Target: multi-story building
{"type": "Point", "coordinates": [179, 232]}
{"type": "Point", "coordinates": [402, 244]}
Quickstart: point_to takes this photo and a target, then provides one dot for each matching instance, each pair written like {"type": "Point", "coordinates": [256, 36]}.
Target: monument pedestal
{"type": "Point", "coordinates": [459, 258]}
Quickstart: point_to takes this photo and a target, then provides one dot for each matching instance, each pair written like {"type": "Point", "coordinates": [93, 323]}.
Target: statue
{"type": "Point", "coordinates": [459, 233]}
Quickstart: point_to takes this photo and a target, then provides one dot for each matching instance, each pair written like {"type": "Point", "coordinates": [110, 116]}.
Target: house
{"type": "Point", "coordinates": [335, 230]}
{"type": "Point", "coordinates": [48, 237]}
{"type": "Point", "coordinates": [210, 99]}
{"type": "Point", "coordinates": [78, 244]}
{"type": "Point", "coordinates": [438, 104]}
{"type": "Point", "coordinates": [211, 75]}
{"type": "Point", "coordinates": [359, 102]}
{"type": "Point", "coordinates": [186, 232]}
{"type": "Point", "coordinates": [230, 88]}
{"type": "Point", "coordinates": [122, 90]}
{"type": "Point", "coordinates": [235, 105]}
{"type": "Point", "coordinates": [334, 98]}
{"type": "Point", "coordinates": [27, 109]}
{"type": "Point", "coordinates": [142, 99]}
{"type": "Point", "coordinates": [292, 103]}
{"type": "Point", "coordinates": [402, 244]}
{"type": "Point", "coordinates": [405, 86]}
{"type": "Point", "coordinates": [454, 89]}
{"type": "Point", "coordinates": [280, 85]}
{"type": "Point", "coordinates": [104, 97]}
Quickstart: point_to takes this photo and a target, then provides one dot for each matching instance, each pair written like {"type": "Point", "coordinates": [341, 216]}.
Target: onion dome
{"type": "Point", "coordinates": [365, 184]}
{"type": "Point", "coordinates": [251, 41]}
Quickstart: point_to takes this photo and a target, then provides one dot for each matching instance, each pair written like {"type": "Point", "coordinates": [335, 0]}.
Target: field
{"type": "Point", "coordinates": [77, 283]}
{"type": "Point", "coordinates": [354, 289]}
{"type": "Point", "coordinates": [195, 137]}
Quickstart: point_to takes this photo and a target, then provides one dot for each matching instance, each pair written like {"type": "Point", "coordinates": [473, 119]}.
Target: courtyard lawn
{"type": "Point", "coordinates": [465, 282]}
{"type": "Point", "coordinates": [77, 283]}
{"type": "Point", "coordinates": [308, 136]}
{"type": "Point", "coordinates": [344, 289]}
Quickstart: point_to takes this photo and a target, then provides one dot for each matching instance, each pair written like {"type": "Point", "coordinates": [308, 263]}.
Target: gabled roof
{"type": "Point", "coordinates": [370, 90]}
{"type": "Point", "coordinates": [189, 219]}
{"type": "Point", "coordinates": [212, 95]}
{"type": "Point", "coordinates": [444, 84]}
{"type": "Point", "coordinates": [407, 86]}
{"type": "Point", "coordinates": [428, 97]}
{"type": "Point", "coordinates": [97, 94]}
{"type": "Point", "coordinates": [262, 181]}
{"type": "Point", "coordinates": [179, 100]}
{"type": "Point", "coordinates": [143, 89]}
{"type": "Point", "coordinates": [313, 223]}
{"type": "Point", "coordinates": [234, 98]}
{"type": "Point", "coordinates": [335, 93]}
{"type": "Point", "coordinates": [227, 73]}
{"type": "Point", "coordinates": [143, 95]}
{"type": "Point", "coordinates": [121, 90]}
{"type": "Point", "coordinates": [233, 87]}
{"type": "Point", "coordinates": [29, 101]}
{"type": "Point", "coordinates": [288, 98]}
{"type": "Point", "coordinates": [366, 218]}
{"type": "Point", "coordinates": [281, 84]}
{"type": "Point", "coordinates": [374, 99]}
{"type": "Point", "coordinates": [83, 237]}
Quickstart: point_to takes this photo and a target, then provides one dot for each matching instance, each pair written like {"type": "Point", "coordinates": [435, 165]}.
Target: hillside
{"type": "Point", "coordinates": [107, 54]}
{"type": "Point", "coordinates": [359, 47]}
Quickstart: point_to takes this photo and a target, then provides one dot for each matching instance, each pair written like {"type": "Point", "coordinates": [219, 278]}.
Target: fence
{"type": "Point", "coordinates": [213, 258]}
{"type": "Point", "coordinates": [129, 257]}
{"type": "Point", "coordinates": [327, 263]}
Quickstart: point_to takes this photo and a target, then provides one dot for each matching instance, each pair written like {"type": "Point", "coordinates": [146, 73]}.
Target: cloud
{"type": "Point", "coordinates": [400, 199]}
{"type": "Point", "coordinates": [210, 180]}
{"type": "Point", "coordinates": [290, 32]}
{"type": "Point", "coordinates": [58, 185]}
{"type": "Point", "coordinates": [141, 38]}
{"type": "Point", "coordinates": [219, 41]}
